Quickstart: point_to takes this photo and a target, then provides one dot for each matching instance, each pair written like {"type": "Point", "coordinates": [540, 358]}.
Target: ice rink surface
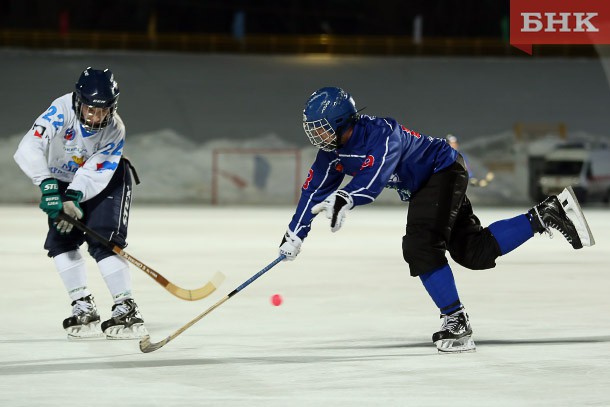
{"type": "Point", "coordinates": [354, 328]}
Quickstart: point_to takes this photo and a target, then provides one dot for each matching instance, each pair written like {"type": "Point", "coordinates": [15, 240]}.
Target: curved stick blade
{"type": "Point", "coordinates": [198, 293]}
{"type": "Point", "coordinates": [146, 346]}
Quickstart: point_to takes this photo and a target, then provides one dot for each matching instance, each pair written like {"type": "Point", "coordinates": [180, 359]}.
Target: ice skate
{"type": "Point", "coordinates": [455, 335]}
{"type": "Point", "coordinates": [84, 322]}
{"type": "Point", "coordinates": [563, 213]}
{"type": "Point", "coordinates": [125, 323]}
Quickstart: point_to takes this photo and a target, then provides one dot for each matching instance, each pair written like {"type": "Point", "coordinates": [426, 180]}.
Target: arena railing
{"type": "Point", "coordinates": [276, 44]}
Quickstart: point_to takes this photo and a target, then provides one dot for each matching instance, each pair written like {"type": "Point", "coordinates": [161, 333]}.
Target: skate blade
{"type": "Point", "coordinates": [462, 345]}
{"type": "Point", "coordinates": [85, 332]}
{"type": "Point", "coordinates": [119, 332]}
{"type": "Point", "coordinates": [570, 205]}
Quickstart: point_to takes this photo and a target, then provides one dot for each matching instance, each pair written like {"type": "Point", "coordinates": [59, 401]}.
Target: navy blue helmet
{"type": "Point", "coordinates": [96, 98]}
{"type": "Point", "coordinates": [328, 113]}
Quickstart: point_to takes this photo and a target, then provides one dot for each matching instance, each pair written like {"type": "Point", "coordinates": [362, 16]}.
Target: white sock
{"type": "Point", "coordinates": [72, 270]}
{"type": "Point", "coordinates": [115, 271]}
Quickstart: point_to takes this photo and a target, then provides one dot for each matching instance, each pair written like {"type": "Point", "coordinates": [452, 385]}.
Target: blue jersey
{"type": "Point", "coordinates": [381, 153]}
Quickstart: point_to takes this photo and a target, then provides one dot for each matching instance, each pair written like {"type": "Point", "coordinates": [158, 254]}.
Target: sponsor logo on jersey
{"type": "Point", "coordinates": [80, 161]}
{"type": "Point", "coordinates": [369, 161]}
{"type": "Point", "coordinates": [410, 132]}
{"type": "Point", "coordinates": [339, 167]}
{"type": "Point", "coordinates": [38, 130]}
{"type": "Point", "coordinates": [55, 170]}
{"type": "Point", "coordinates": [308, 180]}
{"type": "Point", "coordinates": [106, 165]}
{"type": "Point", "coordinates": [404, 194]}
{"type": "Point", "coordinates": [70, 133]}
{"type": "Point", "coordinates": [75, 150]}
{"type": "Point", "coordinates": [74, 164]}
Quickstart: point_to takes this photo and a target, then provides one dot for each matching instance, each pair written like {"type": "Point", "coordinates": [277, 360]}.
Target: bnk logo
{"type": "Point", "coordinates": [563, 22]}
{"type": "Point", "coordinates": [558, 22]}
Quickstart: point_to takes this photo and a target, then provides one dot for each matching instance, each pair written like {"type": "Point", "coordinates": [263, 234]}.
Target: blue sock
{"type": "Point", "coordinates": [440, 284]}
{"type": "Point", "coordinates": [511, 233]}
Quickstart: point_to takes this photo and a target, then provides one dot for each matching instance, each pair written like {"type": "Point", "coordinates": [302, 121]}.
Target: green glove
{"type": "Point", "coordinates": [50, 202]}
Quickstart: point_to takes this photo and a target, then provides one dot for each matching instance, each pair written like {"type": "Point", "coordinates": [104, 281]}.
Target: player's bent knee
{"type": "Point", "coordinates": [99, 252]}
{"type": "Point", "coordinates": [420, 257]}
{"type": "Point", "coordinates": [60, 250]}
{"type": "Point", "coordinates": [479, 253]}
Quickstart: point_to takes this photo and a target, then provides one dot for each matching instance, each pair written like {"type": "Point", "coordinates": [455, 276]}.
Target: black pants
{"type": "Point", "coordinates": [440, 218]}
{"type": "Point", "coordinates": [107, 214]}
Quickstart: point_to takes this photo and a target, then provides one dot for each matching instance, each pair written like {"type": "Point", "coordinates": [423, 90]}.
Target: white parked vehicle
{"type": "Point", "coordinates": [586, 170]}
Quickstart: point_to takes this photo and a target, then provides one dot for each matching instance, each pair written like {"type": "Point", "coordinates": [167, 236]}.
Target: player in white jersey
{"type": "Point", "coordinates": [74, 153]}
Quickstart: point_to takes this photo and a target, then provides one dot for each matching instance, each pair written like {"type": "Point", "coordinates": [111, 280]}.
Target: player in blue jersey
{"type": "Point", "coordinates": [425, 171]}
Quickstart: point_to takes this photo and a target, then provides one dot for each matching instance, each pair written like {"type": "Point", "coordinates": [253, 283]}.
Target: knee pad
{"type": "Point", "coordinates": [99, 252]}
{"type": "Point", "coordinates": [477, 252]}
{"type": "Point", "coordinates": [422, 257]}
{"type": "Point", "coordinates": [56, 251]}
{"type": "Point", "coordinates": [56, 244]}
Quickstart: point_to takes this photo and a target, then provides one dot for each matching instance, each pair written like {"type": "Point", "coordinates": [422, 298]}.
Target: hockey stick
{"type": "Point", "coordinates": [182, 293]}
{"type": "Point", "coordinates": [147, 346]}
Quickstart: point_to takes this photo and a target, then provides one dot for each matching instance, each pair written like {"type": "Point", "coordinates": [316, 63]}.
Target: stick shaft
{"type": "Point", "coordinates": [182, 293]}
{"type": "Point", "coordinates": [146, 346]}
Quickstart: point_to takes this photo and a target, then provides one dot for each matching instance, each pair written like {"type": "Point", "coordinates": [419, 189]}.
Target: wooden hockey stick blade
{"type": "Point", "coordinates": [147, 346]}
{"type": "Point", "coordinates": [198, 293]}
{"type": "Point", "coordinates": [182, 293]}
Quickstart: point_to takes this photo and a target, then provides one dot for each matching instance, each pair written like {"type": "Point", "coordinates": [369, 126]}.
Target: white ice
{"type": "Point", "coordinates": [354, 328]}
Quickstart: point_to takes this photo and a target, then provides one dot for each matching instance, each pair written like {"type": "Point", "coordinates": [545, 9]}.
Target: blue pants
{"type": "Point", "coordinates": [107, 214]}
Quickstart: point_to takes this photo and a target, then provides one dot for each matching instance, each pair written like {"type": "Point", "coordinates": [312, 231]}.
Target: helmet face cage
{"type": "Point", "coordinates": [321, 134]}
{"type": "Point", "coordinates": [87, 114]}
{"type": "Point", "coordinates": [96, 98]}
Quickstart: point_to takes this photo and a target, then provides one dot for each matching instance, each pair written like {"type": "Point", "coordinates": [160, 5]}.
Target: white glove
{"type": "Point", "coordinates": [335, 207]}
{"type": "Point", "coordinates": [291, 245]}
{"type": "Point", "coordinates": [73, 210]}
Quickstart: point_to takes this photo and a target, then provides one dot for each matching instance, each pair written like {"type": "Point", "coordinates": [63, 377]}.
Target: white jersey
{"type": "Point", "coordinates": [59, 147]}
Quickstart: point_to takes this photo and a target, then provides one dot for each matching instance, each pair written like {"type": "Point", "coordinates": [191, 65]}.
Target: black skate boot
{"type": "Point", "coordinates": [562, 213]}
{"type": "Point", "coordinates": [84, 322]}
{"type": "Point", "coordinates": [125, 323]}
{"type": "Point", "coordinates": [455, 335]}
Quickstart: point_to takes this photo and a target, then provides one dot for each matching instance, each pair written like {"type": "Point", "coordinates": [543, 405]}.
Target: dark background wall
{"type": "Point", "coordinates": [447, 18]}
{"type": "Point", "coordinates": [208, 96]}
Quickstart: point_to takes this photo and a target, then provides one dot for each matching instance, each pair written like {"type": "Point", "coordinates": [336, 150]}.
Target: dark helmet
{"type": "Point", "coordinates": [96, 89]}
{"type": "Point", "coordinates": [328, 113]}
